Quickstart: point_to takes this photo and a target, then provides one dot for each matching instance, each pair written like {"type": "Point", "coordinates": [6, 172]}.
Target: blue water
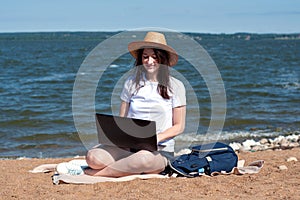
{"type": "Point", "coordinates": [260, 75]}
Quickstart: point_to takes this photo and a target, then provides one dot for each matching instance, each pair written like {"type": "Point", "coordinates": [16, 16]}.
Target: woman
{"type": "Point", "coordinates": [150, 94]}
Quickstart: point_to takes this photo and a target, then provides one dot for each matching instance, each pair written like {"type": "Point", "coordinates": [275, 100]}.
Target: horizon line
{"type": "Point", "coordinates": [89, 31]}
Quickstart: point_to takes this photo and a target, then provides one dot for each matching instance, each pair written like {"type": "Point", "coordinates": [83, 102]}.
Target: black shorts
{"type": "Point", "coordinates": [166, 154]}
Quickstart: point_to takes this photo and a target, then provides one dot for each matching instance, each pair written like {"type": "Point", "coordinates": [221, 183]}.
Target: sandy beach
{"type": "Point", "coordinates": [270, 183]}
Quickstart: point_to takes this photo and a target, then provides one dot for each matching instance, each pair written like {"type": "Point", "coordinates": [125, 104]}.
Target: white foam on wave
{"type": "Point", "coordinates": [53, 77]}
{"type": "Point", "coordinates": [184, 142]}
{"type": "Point", "coordinates": [225, 136]}
{"type": "Point", "coordinates": [291, 86]}
{"type": "Point", "coordinates": [290, 80]}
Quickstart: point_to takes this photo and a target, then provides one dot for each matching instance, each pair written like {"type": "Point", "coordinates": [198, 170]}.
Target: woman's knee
{"type": "Point", "coordinates": [148, 161]}
{"type": "Point", "coordinates": [98, 158]}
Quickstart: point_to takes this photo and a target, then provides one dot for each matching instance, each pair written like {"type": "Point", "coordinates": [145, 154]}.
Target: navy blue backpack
{"type": "Point", "coordinates": [206, 158]}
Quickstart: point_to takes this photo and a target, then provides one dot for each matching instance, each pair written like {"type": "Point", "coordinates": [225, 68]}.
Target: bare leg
{"type": "Point", "coordinates": [103, 156]}
{"type": "Point", "coordinates": [137, 163]}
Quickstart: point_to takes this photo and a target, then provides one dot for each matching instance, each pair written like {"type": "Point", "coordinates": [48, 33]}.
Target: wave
{"type": "Point", "coordinates": [54, 77]}
{"type": "Point", "coordinates": [232, 136]}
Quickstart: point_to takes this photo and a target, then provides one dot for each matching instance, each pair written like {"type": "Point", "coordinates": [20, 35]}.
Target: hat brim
{"type": "Point", "coordinates": [133, 48]}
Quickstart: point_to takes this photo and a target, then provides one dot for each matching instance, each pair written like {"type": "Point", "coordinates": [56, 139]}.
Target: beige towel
{"type": "Point", "coordinates": [85, 179]}
{"type": "Point", "coordinates": [252, 168]}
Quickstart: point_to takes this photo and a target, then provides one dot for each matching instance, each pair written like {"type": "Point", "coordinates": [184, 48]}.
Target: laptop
{"type": "Point", "coordinates": [126, 132]}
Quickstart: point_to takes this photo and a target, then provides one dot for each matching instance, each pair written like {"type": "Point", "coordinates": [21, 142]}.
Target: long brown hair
{"type": "Point", "coordinates": [163, 71]}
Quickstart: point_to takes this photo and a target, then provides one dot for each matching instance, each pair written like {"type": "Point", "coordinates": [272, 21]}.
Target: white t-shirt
{"type": "Point", "coordinates": [146, 103]}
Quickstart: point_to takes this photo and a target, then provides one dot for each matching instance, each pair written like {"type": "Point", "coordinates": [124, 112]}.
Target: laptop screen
{"type": "Point", "coordinates": [126, 132]}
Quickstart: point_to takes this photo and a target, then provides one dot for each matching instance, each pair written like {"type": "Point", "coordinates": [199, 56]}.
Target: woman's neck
{"type": "Point", "coordinates": [151, 77]}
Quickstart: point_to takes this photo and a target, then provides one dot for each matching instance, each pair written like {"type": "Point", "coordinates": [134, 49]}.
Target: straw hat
{"type": "Point", "coordinates": [153, 40]}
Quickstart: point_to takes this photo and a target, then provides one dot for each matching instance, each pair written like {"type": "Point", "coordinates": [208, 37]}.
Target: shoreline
{"type": "Point", "coordinates": [283, 142]}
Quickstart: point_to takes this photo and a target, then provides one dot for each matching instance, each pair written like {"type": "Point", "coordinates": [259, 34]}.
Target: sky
{"type": "Point", "coordinates": [202, 16]}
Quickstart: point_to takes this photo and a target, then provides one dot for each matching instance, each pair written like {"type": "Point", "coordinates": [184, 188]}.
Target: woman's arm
{"type": "Point", "coordinates": [178, 124]}
{"type": "Point", "coordinates": [124, 109]}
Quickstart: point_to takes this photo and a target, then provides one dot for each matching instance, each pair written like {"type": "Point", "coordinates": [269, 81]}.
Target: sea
{"type": "Point", "coordinates": [259, 73]}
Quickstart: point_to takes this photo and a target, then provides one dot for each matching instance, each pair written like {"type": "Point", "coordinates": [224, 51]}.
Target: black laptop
{"type": "Point", "coordinates": [126, 132]}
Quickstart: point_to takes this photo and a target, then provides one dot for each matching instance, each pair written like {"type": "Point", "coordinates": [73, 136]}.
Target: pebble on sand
{"type": "Point", "coordinates": [283, 167]}
{"type": "Point", "coordinates": [290, 159]}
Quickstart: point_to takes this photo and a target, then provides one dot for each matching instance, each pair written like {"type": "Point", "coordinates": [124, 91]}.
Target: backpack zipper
{"type": "Point", "coordinates": [209, 150]}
